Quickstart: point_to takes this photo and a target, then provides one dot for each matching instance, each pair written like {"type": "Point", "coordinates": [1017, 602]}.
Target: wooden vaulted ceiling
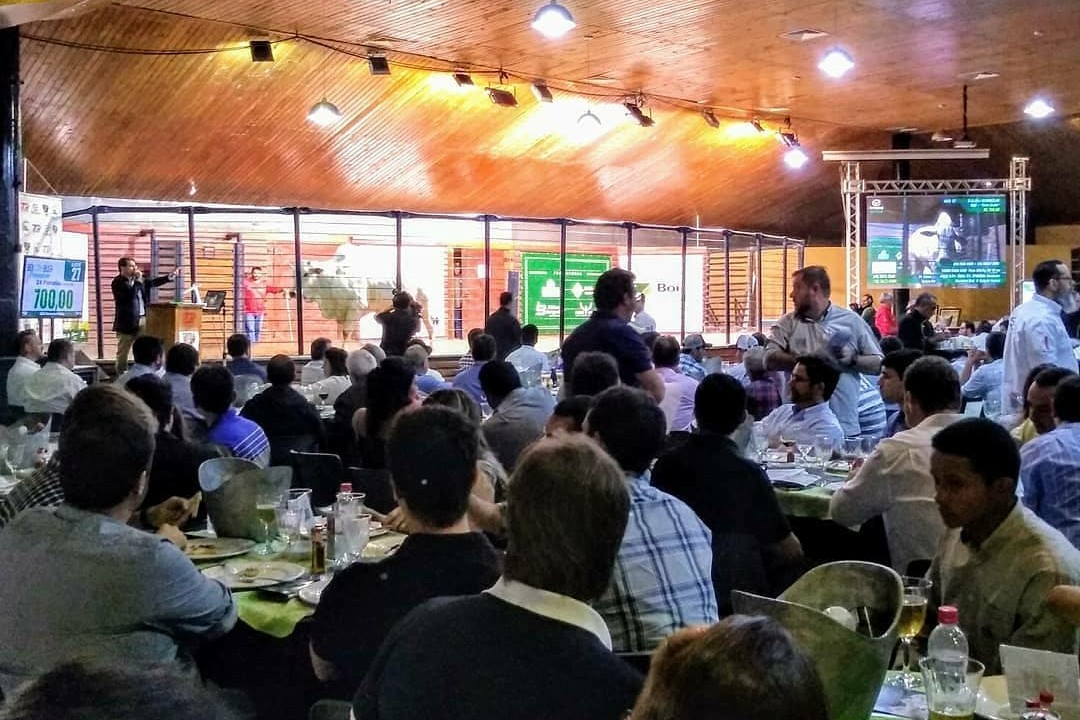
{"type": "Point", "coordinates": [111, 124]}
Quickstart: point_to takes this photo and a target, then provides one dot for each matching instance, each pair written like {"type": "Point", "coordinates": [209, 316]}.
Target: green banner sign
{"type": "Point", "coordinates": [541, 281]}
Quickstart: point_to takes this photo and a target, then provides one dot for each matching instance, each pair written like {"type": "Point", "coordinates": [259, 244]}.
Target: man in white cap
{"type": "Point", "coordinates": [738, 370]}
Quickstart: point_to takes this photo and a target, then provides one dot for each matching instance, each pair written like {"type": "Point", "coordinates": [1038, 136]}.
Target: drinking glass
{"type": "Point", "coordinates": [852, 449]}
{"type": "Point", "coordinates": [324, 395]}
{"type": "Point", "coordinates": [266, 509]}
{"type": "Point", "coordinates": [912, 617]}
{"type": "Point", "coordinates": [867, 444]}
{"type": "Point", "coordinates": [804, 444]}
{"type": "Point", "coordinates": [760, 440]}
{"type": "Point", "coordinates": [823, 449]}
{"type": "Point", "coordinates": [299, 500]}
{"type": "Point", "coordinates": [950, 696]}
{"type": "Point", "coordinates": [288, 524]}
{"type": "Point", "coordinates": [356, 532]}
{"type": "Point", "coordinates": [992, 406]}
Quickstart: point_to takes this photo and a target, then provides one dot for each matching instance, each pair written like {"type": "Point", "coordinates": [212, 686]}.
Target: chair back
{"type": "Point", "coordinates": [738, 564]}
{"type": "Point", "coordinates": [851, 664]}
{"type": "Point", "coordinates": [231, 487]}
{"type": "Point", "coordinates": [377, 488]}
{"type": "Point", "coordinates": [327, 709]}
{"type": "Point", "coordinates": [281, 447]}
{"type": "Point", "coordinates": [322, 472]}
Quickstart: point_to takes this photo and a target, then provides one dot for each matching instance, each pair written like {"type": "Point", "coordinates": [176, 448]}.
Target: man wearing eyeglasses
{"type": "Point", "coordinates": [1037, 331]}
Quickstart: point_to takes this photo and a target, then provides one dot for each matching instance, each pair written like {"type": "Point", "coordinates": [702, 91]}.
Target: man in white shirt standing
{"type": "Point", "coordinates": [52, 388]}
{"type": "Point", "coordinates": [806, 331]}
{"type": "Point", "coordinates": [28, 347]}
{"type": "Point", "coordinates": [895, 481]}
{"type": "Point", "coordinates": [643, 322]}
{"type": "Point", "coordinates": [1037, 332]}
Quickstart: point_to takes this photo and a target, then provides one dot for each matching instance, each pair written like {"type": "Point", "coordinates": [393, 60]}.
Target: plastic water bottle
{"type": "Point", "coordinates": [949, 647]}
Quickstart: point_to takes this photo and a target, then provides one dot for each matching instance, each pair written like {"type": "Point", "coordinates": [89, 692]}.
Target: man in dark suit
{"type": "Point", "coordinates": [504, 327]}
{"type": "Point", "coordinates": [131, 293]}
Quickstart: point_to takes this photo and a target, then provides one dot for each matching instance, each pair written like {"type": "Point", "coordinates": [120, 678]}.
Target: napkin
{"type": "Point", "coordinates": [791, 476]}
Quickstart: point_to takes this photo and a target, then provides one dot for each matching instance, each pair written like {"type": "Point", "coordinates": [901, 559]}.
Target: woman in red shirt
{"type": "Point", "coordinates": [885, 319]}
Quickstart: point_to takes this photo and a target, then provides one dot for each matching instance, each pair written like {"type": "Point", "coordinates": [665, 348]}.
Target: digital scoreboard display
{"type": "Point", "coordinates": [52, 287]}
{"type": "Point", "coordinates": [936, 240]}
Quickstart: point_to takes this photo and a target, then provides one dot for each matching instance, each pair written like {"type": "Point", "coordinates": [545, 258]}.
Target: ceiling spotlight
{"type": "Point", "coordinates": [589, 118]}
{"type": "Point", "coordinates": [261, 51]}
{"type": "Point", "coordinates": [756, 124]}
{"type": "Point", "coordinates": [710, 118]}
{"type": "Point", "coordinates": [462, 78]}
{"type": "Point", "coordinates": [324, 113]}
{"type": "Point", "coordinates": [378, 64]}
{"type": "Point", "coordinates": [788, 138]}
{"type": "Point", "coordinates": [1038, 109]}
{"type": "Point", "coordinates": [638, 114]}
{"type": "Point", "coordinates": [836, 63]}
{"type": "Point", "coordinates": [553, 20]}
{"type": "Point", "coordinates": [505, 98]}
{"type": "Point", "coordinates": [796, 158]}
{"type": "Point", "coordinates": [191, 188]}
{"type": "Point", "coordinates": [941, 136]}
{"type": "Point", "coordinates": [542, 92]}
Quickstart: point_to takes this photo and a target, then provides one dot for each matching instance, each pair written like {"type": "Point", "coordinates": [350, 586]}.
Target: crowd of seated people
{"type": "Point", "coordinates": [629, 508]}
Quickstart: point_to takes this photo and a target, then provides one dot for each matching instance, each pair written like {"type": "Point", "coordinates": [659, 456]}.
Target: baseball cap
{"type": "Point", "coordinates": [693, 341]}
{"type": "Point", "coordinates": [745, 342]}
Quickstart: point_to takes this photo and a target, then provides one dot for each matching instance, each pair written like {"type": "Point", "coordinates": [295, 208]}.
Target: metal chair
{"type": "Point", "coordinates": [322, 472]}
{"type": "Point", "coordinates": [377, 488]}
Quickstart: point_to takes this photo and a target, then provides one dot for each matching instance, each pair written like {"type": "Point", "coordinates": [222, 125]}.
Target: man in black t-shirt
{"type": "Point", "coordinates": [753, 546]}
{"type": "Point", "coordinates": [915, 330]}
{"type": "Point", "coordinates": [399, 324]}
{"type": "Point", "coordinates": [441, 556]}
{"type": "Point", "coordinates": [609, 331]}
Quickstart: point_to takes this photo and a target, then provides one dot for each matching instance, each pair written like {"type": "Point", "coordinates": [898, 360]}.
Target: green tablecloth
{"type": "Point", "coordinates": [279, 619]}
{"type": "Point", "coordinates": [812, 502]}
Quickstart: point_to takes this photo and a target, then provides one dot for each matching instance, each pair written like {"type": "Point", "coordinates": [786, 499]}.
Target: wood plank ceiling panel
{"type": "Point", "coordinates": [121, 125]}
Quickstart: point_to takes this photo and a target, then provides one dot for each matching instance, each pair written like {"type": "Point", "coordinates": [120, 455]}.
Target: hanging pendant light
{"type": "Point", "coordinates": [553, 20]}
{"type": "Point", "coordinates": [324, 113]}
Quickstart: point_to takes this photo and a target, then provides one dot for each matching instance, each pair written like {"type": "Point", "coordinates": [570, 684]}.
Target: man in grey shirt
{"type": "Point", "coordinates": [806, 331]}
{"type": "Point", "coordinates": [82, 584]}
{"type": "Point", "coordinates": [520, 413]}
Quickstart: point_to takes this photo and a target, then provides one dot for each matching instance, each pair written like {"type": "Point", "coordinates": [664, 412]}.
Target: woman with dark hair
{"type": "Point", "coordinates": [391, 388]}
{"type": "Point", "coordinates": [336, 378]}
{"type": "Point", "coordinates": [742, 667]}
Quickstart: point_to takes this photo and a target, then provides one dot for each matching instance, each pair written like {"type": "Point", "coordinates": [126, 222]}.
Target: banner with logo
{"type": "Point", "coordinates": [659, 277]}
{"type": "Point", "coordinates": [541, 280]}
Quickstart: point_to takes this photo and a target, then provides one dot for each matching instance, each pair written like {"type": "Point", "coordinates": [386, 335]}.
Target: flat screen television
{"type": "Point", "coordinates": [936, 240]}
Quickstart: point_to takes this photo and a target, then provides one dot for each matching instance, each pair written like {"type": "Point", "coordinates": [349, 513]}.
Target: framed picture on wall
{"type": "Point", "coordinates": [948, 317]}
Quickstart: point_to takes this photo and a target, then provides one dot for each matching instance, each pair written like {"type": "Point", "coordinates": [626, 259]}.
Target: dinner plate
{"type": "Point", "coordinates": [249, 574]}
{"type": "Point", "coordinates": [217, 548]}
{"type": "Point", "coordinates": [310, 594]}
{"type": "Point", "coordinates": [838, 467]}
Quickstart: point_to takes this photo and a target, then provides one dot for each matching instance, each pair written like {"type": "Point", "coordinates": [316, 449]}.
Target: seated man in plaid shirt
{"type": "Point", "coordinates": [663, 572]}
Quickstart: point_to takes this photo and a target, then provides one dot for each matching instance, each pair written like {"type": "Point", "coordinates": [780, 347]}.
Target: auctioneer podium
{"type": "Point", "coordinates": [174, 323]}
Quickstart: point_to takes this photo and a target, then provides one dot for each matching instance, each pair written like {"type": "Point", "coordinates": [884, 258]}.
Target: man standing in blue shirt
{"type": "Point", "coordinates": [609, 331]}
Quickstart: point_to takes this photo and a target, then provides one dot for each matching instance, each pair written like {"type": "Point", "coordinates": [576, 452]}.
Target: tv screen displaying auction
{"type": "Point", "coordinates": [936, 240]}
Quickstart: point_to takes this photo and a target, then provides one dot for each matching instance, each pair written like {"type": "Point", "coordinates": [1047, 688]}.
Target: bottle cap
{"type": "Point", "coordinates": [1046, 698]}
{"type": "Point", "coordinates": [947, 615]}
{"type": "Point", "coordinates": [346, 488]}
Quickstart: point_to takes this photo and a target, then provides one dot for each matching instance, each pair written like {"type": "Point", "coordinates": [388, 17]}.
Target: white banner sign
{"type": "Point", "coordinates": [661, 278]}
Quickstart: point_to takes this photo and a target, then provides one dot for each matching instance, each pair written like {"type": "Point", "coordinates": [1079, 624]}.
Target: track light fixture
{"type": "Point", "coordinates": [462, 78]}
{"type": "Point", "coordinates": [756, 124]}
{"type": "Point", "coordinates": [589, 119]}
{"type": "Point", "coordinates": [505, 98]}
{"type": "Point", "coordinates": [788, 138]}
{"type": "Point", "coordinates": [553, 20]}
{"type": "Point", "coordinates": [324, 113]}
{"type": "Point", "coordinates": [378, 64]}
{"type": "Point", "coordinates": [634, 109]}
{"type": "Point", "coordinates": [710, 118]}
{"type": "Point", "coordinates": [542, 92]}
{"type": "Point", "coordinates": [261, 51]}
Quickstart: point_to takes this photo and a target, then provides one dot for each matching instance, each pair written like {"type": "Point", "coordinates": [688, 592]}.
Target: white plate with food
{"type": "Point", "coordinates": [838, 467]}
{"type": "Point", "coordinates": [311, 594]}
{"type": "Point", "coordinates": [216, 548]}
{"type": "Point", "coordinates": [249, 574]}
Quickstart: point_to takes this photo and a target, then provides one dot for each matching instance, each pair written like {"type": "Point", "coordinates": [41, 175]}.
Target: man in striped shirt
{"type": "Point", "coordinates": [663, 572]}
{"type": "Point", "coordinates": [213, 392]}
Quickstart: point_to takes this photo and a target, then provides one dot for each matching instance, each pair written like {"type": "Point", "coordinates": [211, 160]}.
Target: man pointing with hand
{"type": "Point", "coordinates": [131, 293]}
